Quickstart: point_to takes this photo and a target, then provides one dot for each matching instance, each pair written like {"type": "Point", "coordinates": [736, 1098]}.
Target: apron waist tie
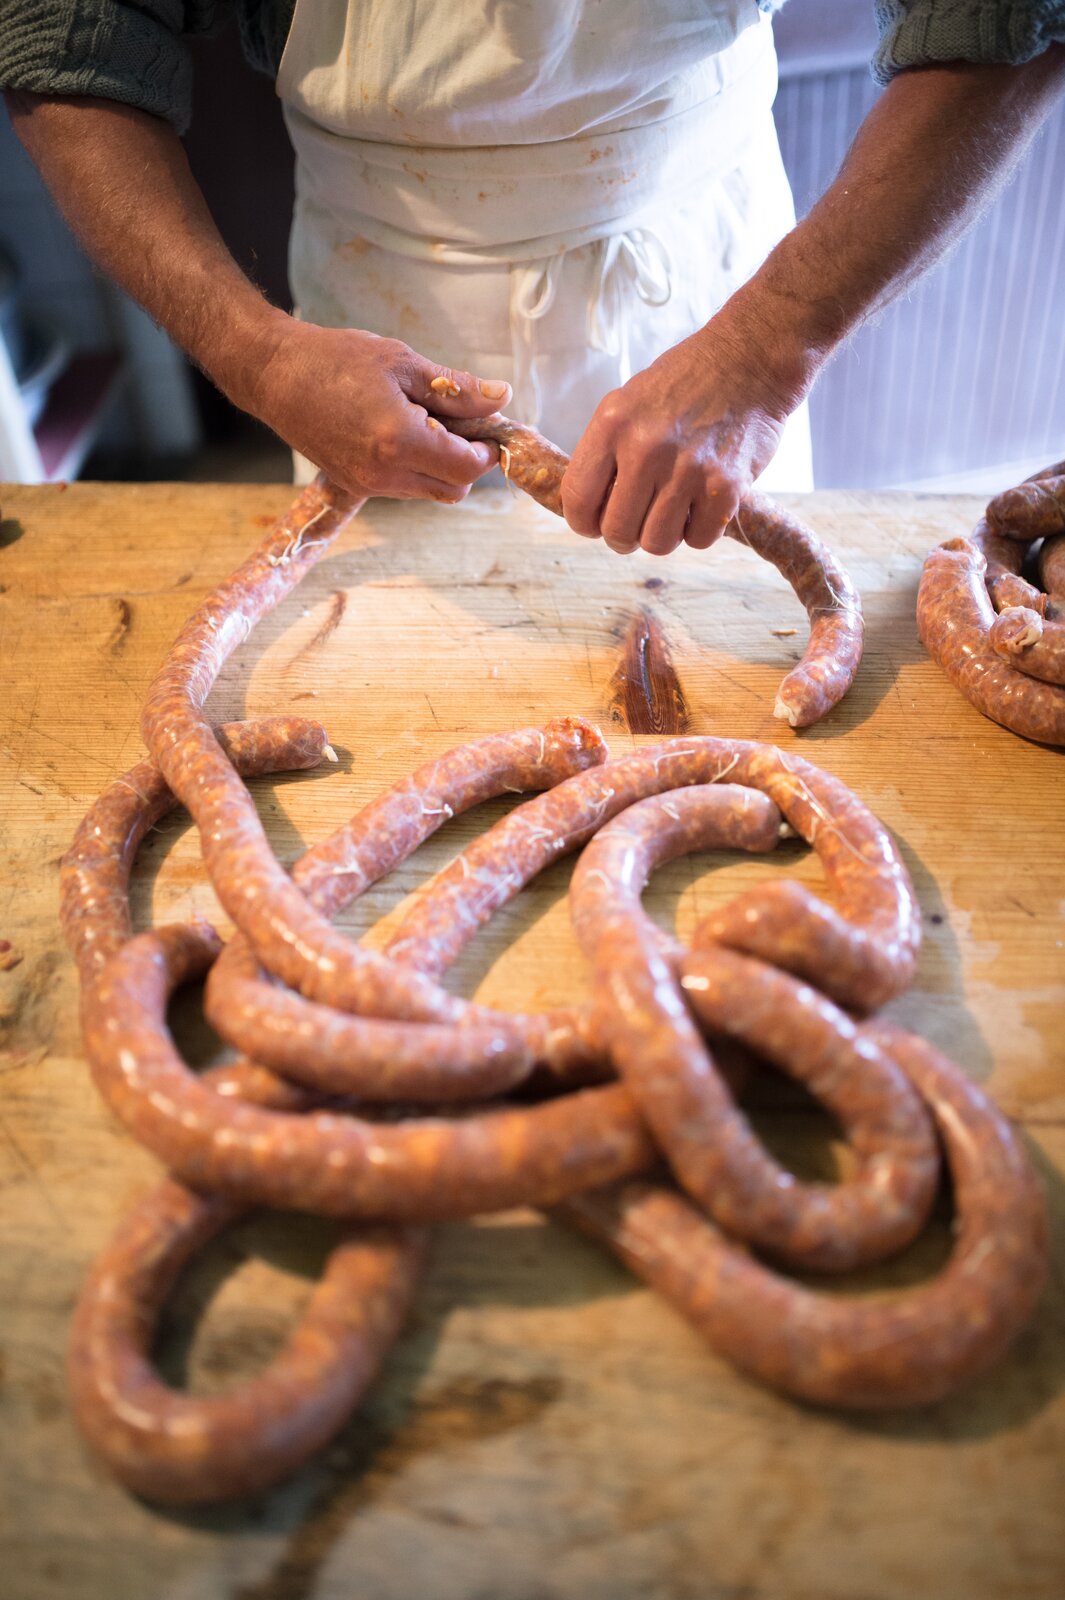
{"type": "Point", "coordinates": [636, 259]}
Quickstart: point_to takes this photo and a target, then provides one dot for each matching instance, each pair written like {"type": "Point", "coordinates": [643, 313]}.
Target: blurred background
{"type": "Point", "coordinates": [959, 387]}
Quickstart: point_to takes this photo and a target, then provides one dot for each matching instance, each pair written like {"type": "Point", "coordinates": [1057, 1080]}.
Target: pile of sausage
{"type": "Point", "coordinates": [366, 1091]}
{"type": "Point", "coordinates": [997, 635]}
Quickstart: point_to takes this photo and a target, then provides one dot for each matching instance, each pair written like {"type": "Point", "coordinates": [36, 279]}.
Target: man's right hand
{"type": "Point", "coordinates": [364, 409]}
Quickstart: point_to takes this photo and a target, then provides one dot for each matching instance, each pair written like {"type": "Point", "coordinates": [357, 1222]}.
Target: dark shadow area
{"type": "Point", "coordinates": [293, 1243]}
{"type": "Point", "coordinates": [964, 1043]}
{"type": "Point", "coordinates": [287, 841]}
{"type": "Point", "coordinates": [362, 1466]}
{"type": "Point", "coordinates": [1018, 1386]}
{"type": "Point", "coordinates": [196, 1042]}
{"type": "Point", "coordinates": [891, 643]}
{"type": "Point", "coordinates": [522, 1262]}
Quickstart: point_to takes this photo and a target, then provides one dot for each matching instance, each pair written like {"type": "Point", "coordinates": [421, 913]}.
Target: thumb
{"type": "Point", "coordinates": [450, 392]}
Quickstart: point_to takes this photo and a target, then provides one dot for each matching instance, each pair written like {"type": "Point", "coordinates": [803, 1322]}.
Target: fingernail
{"type": "Point", "coordinates": [492, 389]}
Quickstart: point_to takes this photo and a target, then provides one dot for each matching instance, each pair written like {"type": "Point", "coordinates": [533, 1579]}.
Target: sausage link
{"type": "Point", "coordinates": [250, 882]}
{"type": "Point", "coordinates": [1052, 566]}
{"type": "Point", "coordinates": [861, 954]}
{"type": "Point", "coordinates": [292, 939]}
{"type": "Point", "coordinates": [834, 607]}
{"type": "Point", "coordinates": [528, 460]}
{"type": "Point", "coordinates": [870, 943]}
{"type": "Point", "coordinates": [180, 1449]}
{"type": "Point", "coordinates": [658, 1051]}
{"type": "Point", "coordinates": [954, 620]}
{"type": "Point", "coordinates": [334, 1165]}
{"type": "Point", "coordinates": [887, 1199]}
{"type": "Point", "coordinates": [94, 872]}
{"type": "Point", "coordinates": [393, 824]}
{"type": "Point", "coordinates": [616, 864]}
{"type": "Point", "coordinates": [861, 950]}
{"type": "Point", "coordinates": [911, 1347]}
{"type": "Point", "coordinates": [377, 1058]}
{"type": "Point", "coordinates": [1005, 559]}
{"type": "Point", "coordinates": [837, 628]}
{"type": "Point", "coordinates": [1031, 510]}
{"type": "Point", "coordinates": [1007, 592]}
{"type": "Point", "coordinates": [172, 1447]}
{"type": "Point", "coordinates": [1021, 637]}
{"type": "Point", "coordinates": [175, 1448]}
{"type": "Point", "coordinates": [295, 543]}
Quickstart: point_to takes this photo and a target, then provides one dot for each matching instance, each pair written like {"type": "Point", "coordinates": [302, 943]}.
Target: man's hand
{"type": "Point", "coordinates": [357, 405]}
{"type": "Point", "coordinates": [667, 457]}
{"type": "Point", "coordinates": [360, 407]}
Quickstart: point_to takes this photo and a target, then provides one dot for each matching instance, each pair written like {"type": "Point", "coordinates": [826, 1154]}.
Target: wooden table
{"type": "Point", "coordinates": [547, 1428]}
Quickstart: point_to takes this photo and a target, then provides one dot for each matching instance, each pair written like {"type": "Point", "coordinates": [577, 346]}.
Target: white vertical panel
{"type": "Point", "coordinates": [969, 369]}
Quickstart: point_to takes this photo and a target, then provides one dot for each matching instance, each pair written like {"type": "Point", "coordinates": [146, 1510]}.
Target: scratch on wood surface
{"type": "Point", "coordinates": [362, 1468]}
{"type": "Point", "coordinates": [9, 955]}
{"type": "Point", "coordinates": [646, 690]}
{"type": "Point", "coordinates": [37, 1179]}
{"type": "Point", "coordinates": [120, 627]}
{"type": "Point", "coordinates": [338, 604]}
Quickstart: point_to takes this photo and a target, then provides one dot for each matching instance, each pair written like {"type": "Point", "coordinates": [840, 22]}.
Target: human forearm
{"type": "Point", "coordinates": [354, 403]}
{"type": "Point", "coordinates": [121, 180]}
{"type": "Point", "coordinates": [937, 147]}
{"type": "Point", "coordinates": [668, 456]}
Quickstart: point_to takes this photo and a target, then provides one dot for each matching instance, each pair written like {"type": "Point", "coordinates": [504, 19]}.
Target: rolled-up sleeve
{"type": "Point", "coordinates": [131, 52]}
{"type": "Point", "coordinates": [922, 33]}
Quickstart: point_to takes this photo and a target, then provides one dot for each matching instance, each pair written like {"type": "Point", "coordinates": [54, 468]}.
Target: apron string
{"type": "Point", "coordinates": [636, 259]}
{"type": "Point", "coordinates": [532, 294]}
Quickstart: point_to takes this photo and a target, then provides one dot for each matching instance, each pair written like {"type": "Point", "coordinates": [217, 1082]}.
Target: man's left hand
{"type": "Point", "coordinates": [666, 458]}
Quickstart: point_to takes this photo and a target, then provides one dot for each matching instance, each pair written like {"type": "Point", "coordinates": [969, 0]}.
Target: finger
{"type": "Point", "coordinates": [586, 483]}
{"type": "Point", "coordinates": [454, 393]}
{"type": "Point", "coordinates": [665, 523]}
{"type": "Point", "coordinates": [447, 494]}
{"type": "Point", "coordinates": [421, 486]}
{"type": "Point", "coordinates": [625, 510]}
{"type": "Point", "coordinates": [711, 512]}
{"type": "Point", "coordinates": [705, 525]}
{"type": "Point", "coordinates": [427, 447]}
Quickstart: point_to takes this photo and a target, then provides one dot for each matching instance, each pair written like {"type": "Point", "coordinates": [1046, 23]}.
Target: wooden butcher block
{"type": "Point", "coordinates": [547, 1429]}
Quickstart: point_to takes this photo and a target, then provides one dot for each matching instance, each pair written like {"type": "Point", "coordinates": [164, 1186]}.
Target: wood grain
{"type": "Point", "coordinates": [647, 691]}
{"type": "Point", "coordinates": [548, 1429]}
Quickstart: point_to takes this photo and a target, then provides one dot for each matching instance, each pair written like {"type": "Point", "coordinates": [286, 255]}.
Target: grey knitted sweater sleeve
{"type": "Point", "coordinates": [921, 33]}
{"type": "Point", "coordinates": [133, 51]}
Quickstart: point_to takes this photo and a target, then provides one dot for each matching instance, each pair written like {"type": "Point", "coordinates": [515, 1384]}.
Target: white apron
{"type": "Point", "coordinates": [547, 191]}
